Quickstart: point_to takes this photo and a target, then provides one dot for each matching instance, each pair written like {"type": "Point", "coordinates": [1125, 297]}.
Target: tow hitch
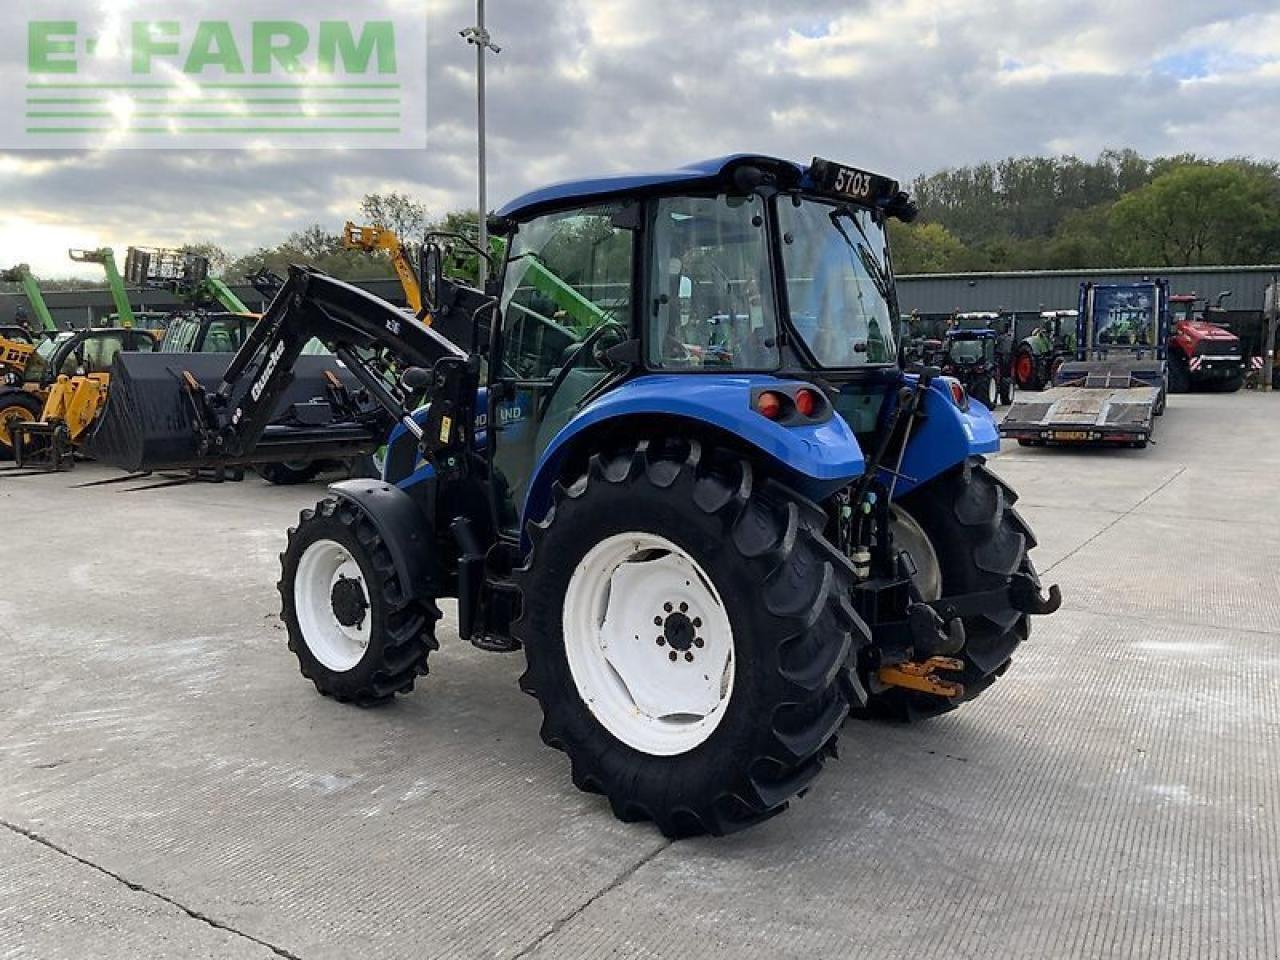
{"type": "Point", "coordinates": [924, 676]}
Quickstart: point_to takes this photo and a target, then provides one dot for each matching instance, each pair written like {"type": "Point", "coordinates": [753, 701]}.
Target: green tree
{"type": "Point", "coordinates": [1194, 214]}
{"type": "Point", "coordinates": [924, 248]}
{"type": "Point", "coordinates": [395, 211]}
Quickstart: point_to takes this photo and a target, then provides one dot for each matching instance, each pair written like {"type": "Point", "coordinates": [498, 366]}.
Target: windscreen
{"type": "Point", "coordinates": [838, 282]}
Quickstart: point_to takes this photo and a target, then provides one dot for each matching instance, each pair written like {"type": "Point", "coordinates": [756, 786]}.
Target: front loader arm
{"type": "Point", "coordinates": [363, 331]}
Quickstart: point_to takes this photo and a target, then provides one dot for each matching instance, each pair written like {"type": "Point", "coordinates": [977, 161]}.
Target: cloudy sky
{"type": "Point", "coordinates": [583, 86]}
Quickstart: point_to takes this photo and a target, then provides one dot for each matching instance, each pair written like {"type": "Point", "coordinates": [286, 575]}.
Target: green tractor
{"type": "Point", "coordinates": [1038, 357]}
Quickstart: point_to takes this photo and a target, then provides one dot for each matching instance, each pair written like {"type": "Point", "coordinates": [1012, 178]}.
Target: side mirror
{"type": "Point", "coordinates": [431, 269]}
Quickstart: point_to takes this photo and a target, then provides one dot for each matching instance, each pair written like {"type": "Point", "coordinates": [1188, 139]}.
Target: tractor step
{"type": "Point", "coordinates": [924, 676]}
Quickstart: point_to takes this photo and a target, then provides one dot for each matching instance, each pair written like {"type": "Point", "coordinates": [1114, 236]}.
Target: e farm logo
{"type": "Point", "coordinates": [136, 76]}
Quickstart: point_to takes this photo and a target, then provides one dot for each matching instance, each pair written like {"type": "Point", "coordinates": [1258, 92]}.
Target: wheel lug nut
{"type": "Point", "coordinates": [688, 656]}
{"type": "Point", "coordinates": [684, 608]}
{"type": "Point", "coordinates": [662, 641]}
{"type": "Point", "coordinates": [673, 656]}
{"type": "Point", "coordinates": [697, 642]}
{"type": "Point", "coordinates": [697, 622]}
{"type": "Point", "coordinates": [666, 607]}
{"type": "Point", "coordinates": [657, 621]}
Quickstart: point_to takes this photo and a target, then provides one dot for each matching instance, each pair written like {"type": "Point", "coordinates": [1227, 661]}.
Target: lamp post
{"type": "Point", "coordinates": [479, 38]}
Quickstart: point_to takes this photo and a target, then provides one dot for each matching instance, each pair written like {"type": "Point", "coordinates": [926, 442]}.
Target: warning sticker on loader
{"type": "Point", "coordinates": [249, 74]}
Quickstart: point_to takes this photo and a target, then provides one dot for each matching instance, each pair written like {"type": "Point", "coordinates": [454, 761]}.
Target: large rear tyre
{"type": "Point", "coordinates": [1233, 385]}
{"type": "Point", "coordinates": [1179, 375]}
{"type": "Point", "coordinates": [16, 406]}
{"type": "Point", "coordinates": [1027, 371]}
{"type": "Point", "coordinates": [688, 633]}
{"type": "Point", "coordinates": [975, 541]}
{"type": "Point", "coordinates": [360, 635]}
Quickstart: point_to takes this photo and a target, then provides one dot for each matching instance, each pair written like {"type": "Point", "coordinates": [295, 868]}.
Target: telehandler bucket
{"type": "Point", "coordinates": [153, 416]}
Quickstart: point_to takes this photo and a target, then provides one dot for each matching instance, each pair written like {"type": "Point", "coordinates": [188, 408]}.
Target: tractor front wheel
{"type": "Point", "coordinates": [986, 392]}
{"type": "Point", "coordinates": [964, 536]}
{"type": "Point", "coordinates": [16, 406]}
{"type": "Point", "coordinates": [689, 634]}
{"type": "Point", "coordinates": [360, 635]}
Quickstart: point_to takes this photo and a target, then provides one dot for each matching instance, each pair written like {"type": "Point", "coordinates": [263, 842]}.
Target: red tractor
{"type": "Point", "coordinates": [1202, 351]}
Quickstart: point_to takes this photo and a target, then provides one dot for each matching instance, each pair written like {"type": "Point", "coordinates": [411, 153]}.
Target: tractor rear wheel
{"type": "Point", "coordinates": [689, 634]}
{"type": "Point", "coordinates": [1179, 375]}
{"type": "Point", "coordinates": [973, 540]}
{"type": "Point", "coordinates": [360, 635]}
{"type": "Point", "coordinates": [16, 406]}
{"type": "Point", "coordinates": [1026, 370]}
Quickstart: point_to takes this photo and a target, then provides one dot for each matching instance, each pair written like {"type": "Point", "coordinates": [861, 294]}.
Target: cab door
{"type": "Point", "coordinates": [567, 291]}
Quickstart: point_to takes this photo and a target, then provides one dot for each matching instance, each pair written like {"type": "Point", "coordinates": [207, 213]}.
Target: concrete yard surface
{"type": "Point", "coordinates": [170, 786]}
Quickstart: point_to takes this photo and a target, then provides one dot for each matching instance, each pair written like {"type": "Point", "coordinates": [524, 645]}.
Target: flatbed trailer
{"type": "Point", "coordinates": [1113, 392]}
{"type": "Point", "coordinates": [1105, 402]}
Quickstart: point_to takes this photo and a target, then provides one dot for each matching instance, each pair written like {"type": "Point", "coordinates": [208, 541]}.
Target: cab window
{"type": "Point", "coordinates": [568, 274]}
{"type": "Point", "coordinates": [711, 296]}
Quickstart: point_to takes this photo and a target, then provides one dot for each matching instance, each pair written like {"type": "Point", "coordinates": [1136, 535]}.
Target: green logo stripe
{"type": "Point", "coordinates": [232, 115]}
{"type": "Point", "coordinates": [181, 131]}
{"type": "Point", "coordinates": [304, 85]}
{"type": "Point", "coordinates": [214, 101]}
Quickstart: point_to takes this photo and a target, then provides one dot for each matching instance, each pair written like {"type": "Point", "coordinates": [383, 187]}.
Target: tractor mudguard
{"type": "Point", "coordinates": [817, 457]}
{"type": "Point", "coordinates": [945, 438]}
{"type": "Point", "coordinates": [403, 527]}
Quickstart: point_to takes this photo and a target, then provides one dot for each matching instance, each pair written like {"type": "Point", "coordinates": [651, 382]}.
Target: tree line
{"type": "Point", "coordinates": [1120, 210]}
{"type": "Point", "coordinates": [1021, 213]}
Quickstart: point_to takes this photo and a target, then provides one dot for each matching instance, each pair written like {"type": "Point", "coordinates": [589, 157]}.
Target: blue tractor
{"type": "Point", "coordinates": [687, 478]}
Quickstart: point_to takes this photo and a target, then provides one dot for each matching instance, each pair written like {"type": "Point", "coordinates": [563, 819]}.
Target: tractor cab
{"type": "Point", "coordinates": [1203, 352]}
{"type": "Point", "coordinates": [200, 332]}
{"type": "Point", "coordinates": [721, 276]}
{"type": "Point", "coordinates": [82, 353]}
{"type": "Point", "coordinates": [975, 353]}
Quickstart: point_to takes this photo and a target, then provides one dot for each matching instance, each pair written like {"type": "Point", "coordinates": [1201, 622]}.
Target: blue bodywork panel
{"type": "Point", "coordinates": [947, 437]}
{"type": "Point", "coordinates": [821, 457]}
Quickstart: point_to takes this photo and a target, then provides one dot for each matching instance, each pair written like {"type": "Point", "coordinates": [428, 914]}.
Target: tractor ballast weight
{"type": "Point", "coordinates": [714, 513]}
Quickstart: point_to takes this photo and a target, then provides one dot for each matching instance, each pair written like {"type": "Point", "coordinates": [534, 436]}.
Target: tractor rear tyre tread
{"type": "Point", "coordinates": [402, 626]}
{"type": "Point", "coordinates": [1179, 375]}
{"type": "Point", "coordinates": [980, 540]}
{"type": "Point", "coordinates": [1026, 361]}
{"type": "Point", "coordinates": [787, 593]}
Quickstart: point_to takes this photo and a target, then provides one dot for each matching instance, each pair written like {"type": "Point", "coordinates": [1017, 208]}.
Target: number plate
{"type": "Point", "coordinates": [849, 183]}
{"type": "Point", "coordinates": [1070, 435]}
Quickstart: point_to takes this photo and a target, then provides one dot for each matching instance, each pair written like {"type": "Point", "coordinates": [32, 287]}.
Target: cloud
{"type": "Point", "coordinates": [582, 86]}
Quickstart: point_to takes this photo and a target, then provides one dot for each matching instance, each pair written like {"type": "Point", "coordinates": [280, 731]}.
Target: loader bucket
{"type": "Point", "coordinates": [149, 422]}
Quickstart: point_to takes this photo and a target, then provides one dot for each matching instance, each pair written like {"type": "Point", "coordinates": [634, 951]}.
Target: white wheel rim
{"type": "Point", "coordinates": [338, 646]}
{"type": "Point", "coordinates": [628, 592]}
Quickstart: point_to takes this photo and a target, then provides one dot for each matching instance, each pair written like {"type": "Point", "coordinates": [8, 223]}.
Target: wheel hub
{"type": "Point", "coordinates": [679, 630]}
{"type": "Point", "coordinates": [349, 604]}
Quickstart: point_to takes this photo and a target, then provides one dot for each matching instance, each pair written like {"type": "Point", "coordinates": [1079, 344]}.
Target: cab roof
{"type": "Point", "coordinates": [702, 173]}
